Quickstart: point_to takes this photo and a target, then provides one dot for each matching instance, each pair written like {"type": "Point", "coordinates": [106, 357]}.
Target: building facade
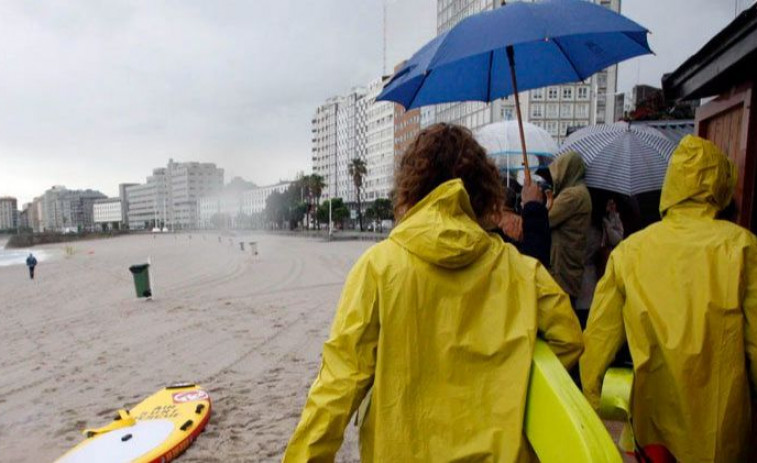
{"type": "Point", "coordinates": [225, 209]}
{"type": "Point", "coordinates": [8, 213]}
{"type": "Point", "coordinates": [108, 213]}
{"type": "Point", "coordinates": [346, 143]}
{"type": "Point", "coordinates": [253, 201]}
{"type": "Point", "coordinates": [324, 145]}
{"type": "Point", "coordinates": [168, 199]}
{"type": "Point", "coordinates": [555, 109]}
{"type": "Point", "coordinates": [379, 144]}
{"type": "Point", "coordinates": [68, 211]}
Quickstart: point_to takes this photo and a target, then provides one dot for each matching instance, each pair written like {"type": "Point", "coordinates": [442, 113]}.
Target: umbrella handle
{"type": "Point", "coordinates": [511, 60]}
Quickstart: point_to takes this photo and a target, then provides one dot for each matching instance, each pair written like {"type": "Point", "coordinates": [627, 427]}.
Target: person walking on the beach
{"type": "Point", "coordinates": [683, 293]}
{"type": "Point", "coordinates": [31, 262]}
{"type": "Point", "coordinates": [440, 320]}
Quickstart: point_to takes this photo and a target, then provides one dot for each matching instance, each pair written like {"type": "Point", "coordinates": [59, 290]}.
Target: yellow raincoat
{"type": "Point", "coordinates": [440, 319]}
{"type": "Point", "coordinates": [684, 294]}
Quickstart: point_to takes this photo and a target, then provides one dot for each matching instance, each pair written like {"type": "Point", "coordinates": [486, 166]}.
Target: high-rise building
{"type": "Point", "coordinates": [346, 143]}
{"type": "Point", "coordinates": [8, 213]}
{"type": "Point", "coordinates": [169, 196]}
{"type": "Point", "coordinates": [407, 124]}
{"type": "Point", "coordinates": [64, 210]}
{"type": "Point", "coordinates": [225, 207]}
{"type": "Point", "coordinates": [379, 143]}
{"type": "Point", "coordinates": [324, 145]}
{"type": "Point", "coordinates": [555, 108]}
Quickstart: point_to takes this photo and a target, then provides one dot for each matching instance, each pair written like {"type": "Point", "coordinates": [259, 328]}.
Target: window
{"type": "Point", "coordinates": [567, 93]}
{"type": "Point", "coordinates": [552, 127]}
{"type": "Point", "coordinates": [508, 114]}
{"type": "Point", "coordinates": [582, 111]}
{"type": "Point", "coordinates": [582, 93]}
{"type": "Point", "coordinates": [566, 111]}
{"type": "Point", "coordinates": [537, 111]}
{"type": "Point", "coordinates": [552, 110]}
{"type": "Point", "coordinates": [564, 128]}
{"type": "Point", "coordinates": [537, 94]}
{"type": "Point", "coordinates": [552, 93]}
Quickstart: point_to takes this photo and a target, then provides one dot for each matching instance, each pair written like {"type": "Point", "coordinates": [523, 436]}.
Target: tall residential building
{"type": "Point", "coordinates": [379, 143]}
{"type": "Point", "coordinates": [407, 124]}
{"type": "Point", "coordinates": [324, 145]}
{"type": "Point", "coordinates": [555, 109]}
{"type": "Point", "coordinates": [64, 210]}
{"type": "Point", "coordinates": [124, 202]}
{"type": "Point", "coordinates": [169, 196]}
{"type": "Point", "coordinates": [346, 143]}
{"type": "Point", "coordinates": [8, 213]}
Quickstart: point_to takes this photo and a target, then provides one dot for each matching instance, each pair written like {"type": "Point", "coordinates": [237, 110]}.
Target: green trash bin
{"type": "Point", "coordinates": [141, 274]}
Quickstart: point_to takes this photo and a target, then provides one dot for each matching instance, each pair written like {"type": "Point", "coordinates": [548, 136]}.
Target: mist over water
{"type": "Point", "coordinates": [18, 256]}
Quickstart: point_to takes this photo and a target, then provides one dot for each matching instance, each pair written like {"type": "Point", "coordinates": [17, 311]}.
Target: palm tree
{"type": "Point", "coordinates": [358, 171]}
{"type": "Point", "coordinates": [316, 189]}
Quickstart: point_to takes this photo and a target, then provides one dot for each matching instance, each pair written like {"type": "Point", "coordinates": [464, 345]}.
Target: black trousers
{"type": "Point", "coordinates": [31, 272]}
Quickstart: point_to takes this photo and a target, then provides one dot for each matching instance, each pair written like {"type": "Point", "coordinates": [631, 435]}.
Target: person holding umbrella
{"type": "Point", "coordinates": [683, 293]}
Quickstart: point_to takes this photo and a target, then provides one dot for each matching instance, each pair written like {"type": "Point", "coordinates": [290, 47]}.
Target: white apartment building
{"type": "Point", "coordinates": [346, 143]}
{"type": "Point", "coordinates": [108, 212]}
{"type": "Point", "coordinates": [378, 119]}
{"type": "Point", "coordinates": [253, 201]}
{"type": "Point", "coordinates": [555, 108]}
{"type": "Point", "coordinates": [169, 197]}
{"type": "Point", "coordinates": [65, 210]}
{"type": "Point", "coordinates": [8, 213]}
{"type": "Point", "coordinates": [324, 145]}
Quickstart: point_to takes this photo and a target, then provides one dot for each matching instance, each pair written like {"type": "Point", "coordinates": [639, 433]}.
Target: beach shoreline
{"type": "Point", "coordinates": [247, 328]}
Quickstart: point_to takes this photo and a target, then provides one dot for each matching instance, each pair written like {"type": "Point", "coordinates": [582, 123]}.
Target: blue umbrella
{"type": "Point", "coordinates": [554, 42]}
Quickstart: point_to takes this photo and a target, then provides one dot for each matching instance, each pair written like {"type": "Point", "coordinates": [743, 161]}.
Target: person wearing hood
{"type": "Point", "coordinates": [31, 262]}
{"type": "Point", "coordinates": [440, 320]}
{"type": "Point", "coordinates": [569, 219]}
{"type": "Point", "coordinates": [683, 293]}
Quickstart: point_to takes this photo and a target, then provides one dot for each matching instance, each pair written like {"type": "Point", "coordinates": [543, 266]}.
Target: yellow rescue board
{"type": "Point", "coordinates": [159, 429]}
{"type": "Point", "coordinates": [559, 423]}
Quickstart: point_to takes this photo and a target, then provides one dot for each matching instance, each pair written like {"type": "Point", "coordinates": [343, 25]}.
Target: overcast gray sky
{"type": "Point", "coordinates": [96, 93]}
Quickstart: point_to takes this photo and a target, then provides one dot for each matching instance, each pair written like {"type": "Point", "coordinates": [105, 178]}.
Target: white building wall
{"type": "Point", "coordinates": [8, 213]}
{"type": "Point", "coordinates": [379, 144]}
{"type": "Point", "coordinates": [346, 143]}
{"type": "Point", "coordinates": [253, 201]}
{"type": "Point", "coordinates": [107, 211]}
{"type": "Point", "coordinates": [324, 145]}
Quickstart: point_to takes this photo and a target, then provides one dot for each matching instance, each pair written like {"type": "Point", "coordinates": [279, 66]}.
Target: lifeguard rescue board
{"type": "Point", "coordinates": [157, 430]}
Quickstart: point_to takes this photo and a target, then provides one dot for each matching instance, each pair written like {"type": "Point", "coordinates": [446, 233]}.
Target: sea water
{"type": "Point", "coordinates": [18, 256]}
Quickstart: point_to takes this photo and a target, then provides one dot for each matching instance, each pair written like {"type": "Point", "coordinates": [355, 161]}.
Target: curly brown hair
{"type": "Point", "coordinates": [443, 152]}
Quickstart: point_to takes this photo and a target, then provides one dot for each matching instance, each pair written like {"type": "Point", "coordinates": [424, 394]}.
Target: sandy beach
{"type": "Point", "coordinates": [77, 344]}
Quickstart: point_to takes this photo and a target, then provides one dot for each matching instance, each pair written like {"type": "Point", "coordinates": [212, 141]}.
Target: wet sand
{"type": "Point", "coordinates": [77, 344]}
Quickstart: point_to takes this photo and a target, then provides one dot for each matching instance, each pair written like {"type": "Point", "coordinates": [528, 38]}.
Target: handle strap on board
{"type": "Point", "coordinates": [123, 420]}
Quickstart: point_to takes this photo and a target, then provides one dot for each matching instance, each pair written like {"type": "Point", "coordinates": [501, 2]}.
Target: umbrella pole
{"type": "Point", "coordinates": [511, 59]}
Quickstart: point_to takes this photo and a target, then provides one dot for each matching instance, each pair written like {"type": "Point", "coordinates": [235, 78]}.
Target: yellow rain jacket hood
{"type": "Point", "coordinates": [683, 292]}
{"type": "Point", "coordinates": [440, 321]}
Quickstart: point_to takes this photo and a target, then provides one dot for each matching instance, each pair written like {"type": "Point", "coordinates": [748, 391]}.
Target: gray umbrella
{"type": "Point", "coordinates": [622, 157]}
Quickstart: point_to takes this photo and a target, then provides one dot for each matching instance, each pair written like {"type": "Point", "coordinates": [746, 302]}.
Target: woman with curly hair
{"type": "Point", "coordinates": [440, 321]}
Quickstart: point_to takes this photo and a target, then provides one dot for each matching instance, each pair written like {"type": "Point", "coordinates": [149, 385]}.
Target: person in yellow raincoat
{"type": "Point", "coordinates": [683, 292]}
{"type": "Point", "coordinates": [440, 320]}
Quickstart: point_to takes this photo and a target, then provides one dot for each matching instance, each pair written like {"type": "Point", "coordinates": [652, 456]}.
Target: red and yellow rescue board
{"type": "Point", "coordinates": [157, 430]}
